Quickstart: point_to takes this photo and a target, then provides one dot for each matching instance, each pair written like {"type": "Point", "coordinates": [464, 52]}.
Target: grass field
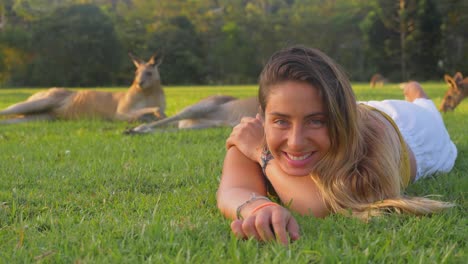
{"type": "Point", "coordinates": [82, 192]}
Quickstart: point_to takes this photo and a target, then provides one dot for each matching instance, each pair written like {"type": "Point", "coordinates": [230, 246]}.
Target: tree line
{"type": "Point", "coordinates": [85, 42]}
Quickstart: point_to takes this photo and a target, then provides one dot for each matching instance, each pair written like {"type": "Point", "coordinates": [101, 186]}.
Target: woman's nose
{"type": "Point", "coordinates": [296, 137]}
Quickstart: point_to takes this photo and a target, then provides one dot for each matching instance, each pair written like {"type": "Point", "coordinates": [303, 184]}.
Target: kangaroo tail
{"type": "Point", "coordinates": [29, 107]}
{"type": "Point", "coordinates": [39, 102]}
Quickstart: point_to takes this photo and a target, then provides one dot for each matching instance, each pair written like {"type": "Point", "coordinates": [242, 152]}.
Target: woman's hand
{"type": "Point", "coordinates": [268, 223]}
{"type": "Point", "coordinates": [248, 137]}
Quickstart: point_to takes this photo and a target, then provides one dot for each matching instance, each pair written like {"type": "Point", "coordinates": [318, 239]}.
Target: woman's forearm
{"type": "Point", "coordinates": [241, 179]}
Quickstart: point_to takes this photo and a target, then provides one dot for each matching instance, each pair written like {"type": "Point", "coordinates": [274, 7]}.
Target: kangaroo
{"type": "Point", "coordinates": [144, 100]}
{"type": "Point", "coordinates": [377, 80]}
{"type": "Point", "coordinates": [457, 91]}
{"type": "Point", "coordinates": [213, 111]}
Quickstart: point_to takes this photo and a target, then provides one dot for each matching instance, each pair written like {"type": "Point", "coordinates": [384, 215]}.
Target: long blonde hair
{"type": "Point", "coordinates": [360, 174]}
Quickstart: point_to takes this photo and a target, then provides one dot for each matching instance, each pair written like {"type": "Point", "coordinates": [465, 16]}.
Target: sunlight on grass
{"type": "Point", "coordinates": [83, 192]}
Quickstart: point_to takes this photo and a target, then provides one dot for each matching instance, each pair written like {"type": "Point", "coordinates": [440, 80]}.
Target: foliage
{"type": "Point", "coordinates": [13, 60]}
{"type": "Point", "coordinates": [81, 192]}
{"type": "Point", "coordinates": [32, 10]}
{"type": "Point", "coordinates": [455, 35]}
{"type": "Point", "coordinates": [181, 47]}
{"type": "Point", "coordinates": [228, 41]}
{"type": "Point", "coordinates": [425, 46]}
{"type": "Point", "coordinates": [403, 35]}
{"type": "Point", "coordinates": [74, 46]}
{"type": "Point", "coordinates": [315, 21]}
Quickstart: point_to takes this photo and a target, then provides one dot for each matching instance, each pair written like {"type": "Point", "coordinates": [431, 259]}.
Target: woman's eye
{"type": "Point", "coordinates": [316, 123]}
{"type": "Point", "coordinates": [280, 122]}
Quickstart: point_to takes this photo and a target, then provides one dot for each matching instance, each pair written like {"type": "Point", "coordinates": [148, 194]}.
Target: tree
{"type": "Point", "coordinates": [398, 16]}
{"type": "Point", "coordinates": [180, 46]}
{"type": "Point", "coordinates": [32, 10]}
{"type": "Point", "coordinates": [14, 57]}
{"type": "Point", "coordinates": [381, 47]}
{"type": "Point", "coordinates": [74, 46]}
{"type": "Point", "coordinates": [407, 29]}
{"type": "Point", "coordinates": [454, 35]}
{"type": "Point", "coordinates": [226, 41]}
{"type": "Point", "coordinates": [332, 26]}
{"type": "Point", "coordinates": [424, 46]}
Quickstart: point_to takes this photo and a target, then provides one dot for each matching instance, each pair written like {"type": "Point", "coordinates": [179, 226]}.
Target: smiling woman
{"type": "Point", "coordinates": [295, 127]}
{"type": "Point", "coordinates": [321, 152]}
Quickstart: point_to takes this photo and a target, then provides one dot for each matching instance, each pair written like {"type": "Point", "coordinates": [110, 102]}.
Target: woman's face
{"type": "Point", "coordinates": [295, 126]}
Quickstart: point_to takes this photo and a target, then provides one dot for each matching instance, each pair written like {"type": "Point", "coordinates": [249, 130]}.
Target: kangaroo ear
{"type": "Point", "coordinates": [447, 78]}
{"type": "Point", "coordinates": [135, 60]}
{"type": "Point", "coordinates": [156, 59]}
{"type": "Point", "coordinates": [451, 82]}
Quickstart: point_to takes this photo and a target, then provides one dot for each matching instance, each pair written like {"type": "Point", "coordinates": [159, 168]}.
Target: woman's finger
{"type": "Point", "coordinates": [249, 228]}
{"type": "Point", "coordinates": [236, 227]}
{"type": "Point", "coordinates": [264, 227]}
{"type": "Point", "coordinates": [279, 222]}
{"type": "Point", "coordinates": [293, 229]}
{"type": "Point", "coordinates": [246, 119]}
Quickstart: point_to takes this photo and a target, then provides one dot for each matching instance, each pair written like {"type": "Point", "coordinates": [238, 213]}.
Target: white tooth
{"type": "Point", "coordinates": [299, 157]}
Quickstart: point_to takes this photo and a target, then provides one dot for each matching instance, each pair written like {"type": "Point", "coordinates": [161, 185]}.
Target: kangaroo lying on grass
{"type": "Point", "coordinates": [144, 100]}
{"type": "Point", "coordinates": [458, 90]}
{"type": "Point", "coordinates": [213, 111]}
{"type": "Point", "coordinates": [377, 80]}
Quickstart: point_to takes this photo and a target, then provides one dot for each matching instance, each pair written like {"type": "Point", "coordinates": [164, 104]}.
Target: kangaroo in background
{"type": "Point", "coordinates": [213, 111]}
{"type": "Point", "coordinates": [457, 91]}
{"type": "Point", "coordinates": [144, 100]}
{"type": "Point", "coordinates": [377, 80]}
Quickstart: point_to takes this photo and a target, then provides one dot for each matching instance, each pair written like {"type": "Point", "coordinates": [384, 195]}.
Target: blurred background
{"type": "Point", "coordinates": [79, 43]}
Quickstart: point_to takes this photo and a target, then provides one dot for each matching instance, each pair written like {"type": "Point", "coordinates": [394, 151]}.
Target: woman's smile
{"type": "Point", "coordinates": [298, 158]}
{"type": "Point", "coordinates": [298, 161]}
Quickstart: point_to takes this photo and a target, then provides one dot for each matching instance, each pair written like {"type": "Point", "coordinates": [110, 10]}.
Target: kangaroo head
{"type": "Point", "coordinates": [147, 73]}
{"type": "Point", "coordinates": [457, 91]}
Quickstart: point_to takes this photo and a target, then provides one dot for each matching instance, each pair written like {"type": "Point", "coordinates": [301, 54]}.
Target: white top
{"type": "Point", "coordinates": [424, 131]}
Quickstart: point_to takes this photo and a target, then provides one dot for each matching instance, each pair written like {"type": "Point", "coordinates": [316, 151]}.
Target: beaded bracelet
{"type": "Point", "coordinates": [253, 197]}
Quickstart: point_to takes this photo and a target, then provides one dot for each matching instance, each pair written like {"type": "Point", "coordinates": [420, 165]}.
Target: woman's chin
{"type": "Point", "coordinates": [296, 172]}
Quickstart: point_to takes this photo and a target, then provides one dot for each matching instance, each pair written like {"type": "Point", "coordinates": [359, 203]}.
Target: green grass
{"type": "Point", "coordinates": [81, 192]}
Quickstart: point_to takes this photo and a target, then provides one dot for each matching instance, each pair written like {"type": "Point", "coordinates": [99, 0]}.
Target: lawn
{"type": "Point", "coordinates": [82, 192]}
